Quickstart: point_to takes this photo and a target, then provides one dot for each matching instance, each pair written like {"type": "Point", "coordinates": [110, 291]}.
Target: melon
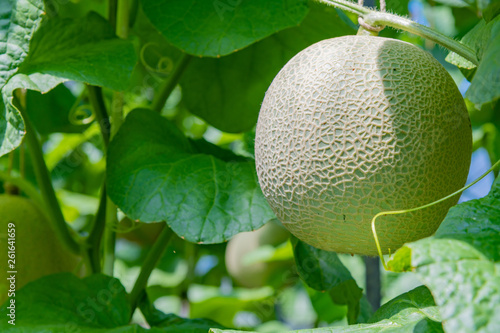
{"type": "Point", "coordinates": [257, 274]}
{"type": "Point", "coordinates": [356, 125]}
{"type": "Point", "coordinates": [38, 252]}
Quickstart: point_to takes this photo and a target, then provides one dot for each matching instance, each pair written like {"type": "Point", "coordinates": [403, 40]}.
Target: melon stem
{"type": "Point", "coordinates": [376, 18]}
{"type": "Point", "coordinates": [395, 212]}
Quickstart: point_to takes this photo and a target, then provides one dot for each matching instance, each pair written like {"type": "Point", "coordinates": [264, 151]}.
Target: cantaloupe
{"type": "Point", "coordinates": [356, 125]}
{"type": "Point", "coordinates": [255, 274]}
{"type": "Point", "coordinates": [38, 252]}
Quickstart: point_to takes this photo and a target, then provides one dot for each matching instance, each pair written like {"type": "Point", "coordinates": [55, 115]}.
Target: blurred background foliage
{"type": "Point", "coordinates": [195, 280]}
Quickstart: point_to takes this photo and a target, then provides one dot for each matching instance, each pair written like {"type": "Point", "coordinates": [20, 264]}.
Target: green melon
{"type": "Point", "coordinates": [255, 274]}
{"type": "Point", "coordinates": [38, 251]}
{"type": "Point", "coordinates": [356, 125]}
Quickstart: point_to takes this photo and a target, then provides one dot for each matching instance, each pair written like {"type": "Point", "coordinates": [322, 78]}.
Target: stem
{"type": "Point", "coordinates": [109, 238]}
{"type": "Point", "coordinates": [97, 101]}
{"type": "Point", "coordinates": [95, 236]}
{"type": "Point", "coordinates": [122, 19]}
{"type": "Point", "coordinates": [44, 182]}
{"type": "Point", "coordinates": [150, 262]}
{"type": "Point", "coordinates": [395, 212]}
{"type": "Point", "coordinates": [373, 283]}
{"type": "Point", "coordinates": [398, 22]}
{"type": "Point", "coordinates": [166, 89]}
{"type": "Point", "coordinates": [112, 8]}
{"type": "Point", "coordinates": [134, 8]}
{"type": "Point", "coordinates": [375, 18]}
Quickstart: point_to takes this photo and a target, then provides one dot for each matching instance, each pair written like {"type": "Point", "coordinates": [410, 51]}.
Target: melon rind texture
{"type": "Point", "coordinates": [356, 125]}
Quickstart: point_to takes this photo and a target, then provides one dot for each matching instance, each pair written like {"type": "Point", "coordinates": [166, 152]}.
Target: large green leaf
{"type": "Point", "coordinates": [19, 20]}
{"type": "Point", "coordinates": [156, 174]}
{"type": "Point", "coordinates": [411, 312]}
{"type": "Point", "coordinates": [460, 265]}
{"type": "Point", "coordinates": [484, 39]}
{"type": "Point", "coordinates": [63, 303]}
{"type": "Point", "coordinates": [216, 28]}
{"type": "Point", "coordinates": [228, 92]}
{"type": "Point", "coordinates": [84, 50]}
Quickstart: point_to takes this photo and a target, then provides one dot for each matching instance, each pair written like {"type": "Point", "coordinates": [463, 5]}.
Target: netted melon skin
{"type": "Point", "coordinates": [355, 125]}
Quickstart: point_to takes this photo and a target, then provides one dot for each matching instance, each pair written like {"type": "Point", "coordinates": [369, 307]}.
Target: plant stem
{"type": "Point", "coordinates": [134, 8]}
{"type": "Point", "coordinates": [166, 89]}
{"type": "Point", "coordinates": [95, 236]}
{"type": "Point", "coordinates": [396, 212]}
{"type": "Point", "coordinates": [97, 101]}
{"type": "Point", "coordinates": [112, 9]}
{"type": "Point", "coordinates": [109, 241]}
{"type": "Point", "coordinates": [122, 18]}
{"type": "Point", "coordinates": [47, 190]}
{"type": "Point", "coordinates": [374, 18]}
{"type": "Point", "coordinates": [149, 264]}
{"type": "Point", "coordinates": [373, 282]}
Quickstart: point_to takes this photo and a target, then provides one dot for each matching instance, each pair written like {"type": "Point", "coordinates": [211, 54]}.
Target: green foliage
{"type": "Point", "coordinates": [192, 166]}
{"type": "Point", "coordinates": [247, 74]}
{"type": "Point", "coordinates": [413, 311]}
{"type": "Point", "coordinates": [59, 50]}
{"type": "Point", "coordinates": [463, 255]}
{"type": "Point", "coordinates": [484, 39]}
{"type": "Point", "coordinates": [156, 174]}
{"type": "Point", "coordinates": [191, 25]}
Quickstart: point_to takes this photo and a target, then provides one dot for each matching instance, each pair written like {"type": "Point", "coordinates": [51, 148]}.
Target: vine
{"type": "Point", "coordinates": [376, 18]}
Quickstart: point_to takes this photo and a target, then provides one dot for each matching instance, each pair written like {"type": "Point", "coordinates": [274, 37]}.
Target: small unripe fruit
{"type": "Point", "coordinates": [35, 251]}
{"type": "Point", "coordinates": [255, 274]}
{"type": "Point", "coordinates": [356, 125]}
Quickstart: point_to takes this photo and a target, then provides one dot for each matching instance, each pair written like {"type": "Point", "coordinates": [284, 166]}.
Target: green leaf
{"type": "Point", "coordinates": [83, 50]}
{"type": "Point", "coordinates": [23, 19]}
{"type": "Point", "coordinates": [411, 312]}
{"type": "Point", "coordinates": [350, 294]}
{"type": "Point", "coordinates": [484, 39]}
{"type": "Point", "coordinates": [326, 309]}
{"type": "Point", "coordinates": [156, 174]}
{"type": "Point", "coordinates": [476, 222]}
{"type": "Point", "coordinates": [465, 284]}
{"type": "Point", "coordinates": [323, 271]}
{"type": "Point", "coordinates": [405, 305]}
{"type": "Point", "coordinates": [228, 92]}
{"type": "Point", "coordinates": [216, 28]}
{"type": "Point", "coordinates": [63, 303]}
{"type": "Point", "coordinates": [460, 265]}
{"type": "Point", "coordinates": [53, 112]}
